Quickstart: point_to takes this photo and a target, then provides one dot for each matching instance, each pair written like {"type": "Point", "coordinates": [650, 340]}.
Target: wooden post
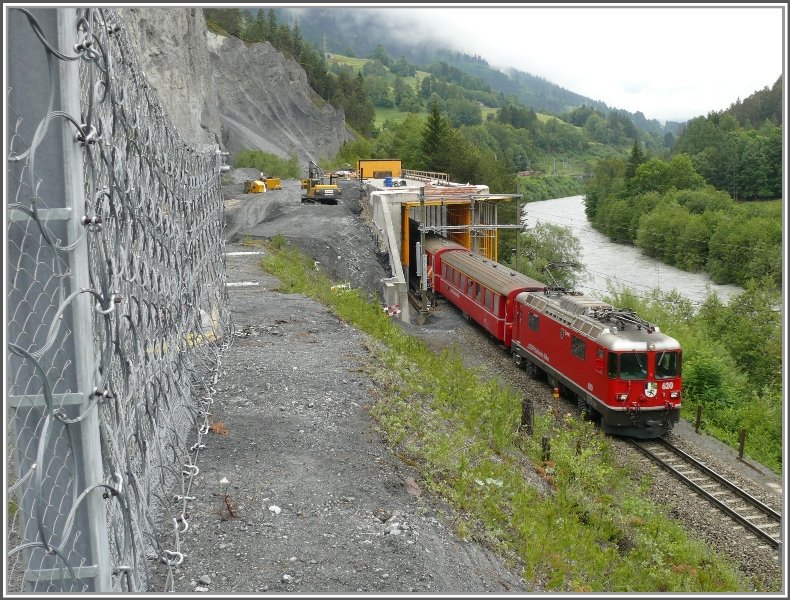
{"type": "Point", "coordinates": [741, 442]}
{"type": "Point", "coordinates": [545, 444]}
{"type": "Point", "coordinates": [699, 418]}
{"type": "Point", "coordinates": [527, 416]}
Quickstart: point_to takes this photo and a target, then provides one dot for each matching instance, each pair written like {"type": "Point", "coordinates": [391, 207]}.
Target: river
{"type": "Point", "coordinates": [623, 266]}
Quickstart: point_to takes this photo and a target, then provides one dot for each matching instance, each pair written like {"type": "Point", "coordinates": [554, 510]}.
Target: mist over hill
{"type": "Point", "coordinates": [348, 31]}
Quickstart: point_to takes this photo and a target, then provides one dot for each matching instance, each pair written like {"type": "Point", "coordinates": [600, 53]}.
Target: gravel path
{"type": "Point", "coordinates": [314, 501]}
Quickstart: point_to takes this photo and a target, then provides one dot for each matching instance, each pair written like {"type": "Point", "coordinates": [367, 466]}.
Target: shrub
{"type": "Point", "coordinates": [270, 164]}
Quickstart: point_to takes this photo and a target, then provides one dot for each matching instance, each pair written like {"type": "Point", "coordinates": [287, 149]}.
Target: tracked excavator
{"type": "Point", "coordinates": [318, 187]}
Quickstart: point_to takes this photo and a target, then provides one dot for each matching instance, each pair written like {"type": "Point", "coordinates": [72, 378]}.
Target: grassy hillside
{"type": "Point", "coordinates": [392, 114]}
{"type": "Point", "coordinates": [355, 64]}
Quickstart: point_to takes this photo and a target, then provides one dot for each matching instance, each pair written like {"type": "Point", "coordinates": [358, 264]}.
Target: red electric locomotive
{"type": "Point", "coordinates": [483, 289]}
{"type": "Point", "coordinates": [618, 366]}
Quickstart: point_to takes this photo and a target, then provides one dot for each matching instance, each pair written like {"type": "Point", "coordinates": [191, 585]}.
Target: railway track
{"type": "Point", "coordinates": [747, 511]}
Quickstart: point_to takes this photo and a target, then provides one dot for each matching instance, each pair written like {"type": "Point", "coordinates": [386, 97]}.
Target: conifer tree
{"type": "Point", "coordinates": [297, 43]}
{"type": "Point", "coordinates": [271, 25]}
{"type": "Point", "coordinates": [435, 140]}
{"type": "Point", "coordinates": [637, 158]}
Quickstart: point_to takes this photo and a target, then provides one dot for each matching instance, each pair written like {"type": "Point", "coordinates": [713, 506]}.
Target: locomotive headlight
{"type": "Point", "coordinates": [674, 395]}
{"type": "Point", "coordinates": [621, 397]}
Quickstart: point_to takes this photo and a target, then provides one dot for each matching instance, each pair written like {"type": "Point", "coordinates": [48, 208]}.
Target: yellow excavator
{"type": "Point", "coordinates": [318, 187]}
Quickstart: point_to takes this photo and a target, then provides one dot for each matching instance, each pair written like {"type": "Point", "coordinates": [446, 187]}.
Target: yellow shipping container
{"type": "Point", "coordinates": [378, 168]}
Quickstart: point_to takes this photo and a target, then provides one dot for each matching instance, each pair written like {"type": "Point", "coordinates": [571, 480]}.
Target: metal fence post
{"type": "Point", "coordinates": [50, 345]}
{"type": "Point", "coordinates": [74, 196]}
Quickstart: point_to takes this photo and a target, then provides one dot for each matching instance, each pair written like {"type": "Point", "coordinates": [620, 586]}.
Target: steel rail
{"type": "Point", "coordinates": [774, 542]}
{"type": "Point", "coordinates": [754, 502]}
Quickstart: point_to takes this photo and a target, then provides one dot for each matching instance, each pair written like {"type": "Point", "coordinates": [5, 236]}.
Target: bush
{"type": "Point", "coordinates": [270, 164]}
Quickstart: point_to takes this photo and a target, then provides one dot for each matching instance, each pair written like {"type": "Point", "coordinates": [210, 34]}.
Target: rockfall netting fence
{"type": "Point", "coordinates": [116, 309]}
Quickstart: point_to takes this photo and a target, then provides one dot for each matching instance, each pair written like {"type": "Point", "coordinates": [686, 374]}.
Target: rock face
{"type": "Point", "coordinates": [173, 53]}
{"type": "Point", "coordinates": [266, 103]}
{"type": "Point", "coordinates": [221, 90]}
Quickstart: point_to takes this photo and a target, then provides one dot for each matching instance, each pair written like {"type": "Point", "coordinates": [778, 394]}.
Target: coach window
{"type": "Point", "coordinates": [534, 322]}
{"type": "Point", "coordinates": [489, 299]}
{"type": "Point", "coordinates": [479, 294]}
{"type": "Point", "coordinates": [496, 304]}
{"type": "Point", "coordinates": [462, 283]}
{"type": "Point", "coordinates": [471, 289]}
{"type": "Point", "coordinates": [578, 347]}
{"type": "Point", "coordinates": [444, 271]}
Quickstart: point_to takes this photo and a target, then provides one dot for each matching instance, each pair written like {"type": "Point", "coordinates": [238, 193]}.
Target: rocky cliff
{"type": "Point", "coordinates": [266, 103]}
{"type": "Point", "coordinates": [221, 90]}
{"type": "Point", "coordinates": [173, 53]}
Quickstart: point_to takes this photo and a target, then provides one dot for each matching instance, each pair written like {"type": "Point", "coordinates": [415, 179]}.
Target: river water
{"type": "Point", "coordinates": [617, 264]}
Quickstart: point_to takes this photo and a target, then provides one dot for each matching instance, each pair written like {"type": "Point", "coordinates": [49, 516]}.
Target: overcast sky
{"type": "Point", "coordinates": [670, 62]}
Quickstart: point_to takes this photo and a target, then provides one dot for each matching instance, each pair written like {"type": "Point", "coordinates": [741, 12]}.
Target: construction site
{"type": "Point", "coordinates": [407, 205]}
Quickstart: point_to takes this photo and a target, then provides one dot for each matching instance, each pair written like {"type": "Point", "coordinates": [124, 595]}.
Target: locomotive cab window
{"type": "Point", "coordinates": [633, 365]}
{"type": "Point", "coordinates": [533, 322]}
{"type": "Point", "coordinates": [667, 364]}
{"type": "Point", "coordinates": [612, 368]}
{"type": "Point", "coordinates": [578, 347]}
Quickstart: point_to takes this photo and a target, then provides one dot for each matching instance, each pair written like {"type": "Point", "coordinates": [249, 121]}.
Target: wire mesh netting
{"type": "Point", "coordinates": [116, 309]}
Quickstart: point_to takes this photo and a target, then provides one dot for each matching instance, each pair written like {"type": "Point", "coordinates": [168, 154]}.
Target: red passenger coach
{"type": "Point", "coordinates": [483, 289]}
{"type": "Point", "coordinates": [617, 365]}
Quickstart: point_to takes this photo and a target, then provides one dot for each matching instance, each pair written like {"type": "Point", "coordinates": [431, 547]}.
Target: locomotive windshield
{"type": "Point", "coordinates": [667, 365]}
